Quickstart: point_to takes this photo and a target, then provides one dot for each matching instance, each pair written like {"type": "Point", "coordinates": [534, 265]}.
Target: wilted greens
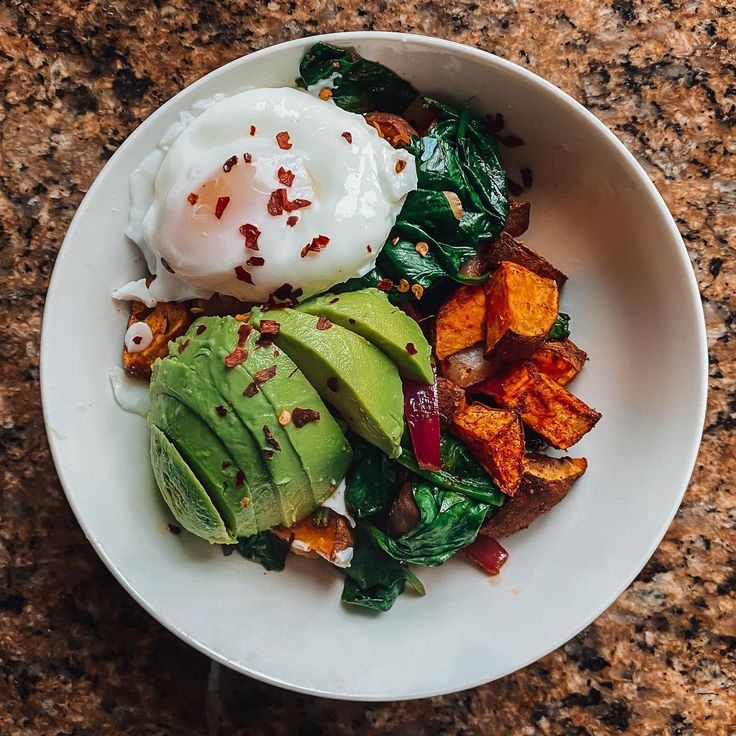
{"type": "Point", "coordinates": [561, 328]}
{"type": "Point", "coordinates": [359, 85]}
{"type": "Point", "coordinates": [370, 482]}
{"type": "Point", "coordinates": [266, 549]}
{"type": "Point", "coordinates": [448, 522]}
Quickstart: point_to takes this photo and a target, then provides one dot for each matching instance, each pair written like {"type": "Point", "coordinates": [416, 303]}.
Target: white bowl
{"type": "Point", "coordinates": [635, 309]}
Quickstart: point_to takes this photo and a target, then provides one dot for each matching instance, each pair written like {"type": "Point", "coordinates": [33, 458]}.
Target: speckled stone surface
{"type": "Point", "coordinates": [77, 655]}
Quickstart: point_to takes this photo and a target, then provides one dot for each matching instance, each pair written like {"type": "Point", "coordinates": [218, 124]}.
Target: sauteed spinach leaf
{"type": "Point", "coordinates": [265, 548]}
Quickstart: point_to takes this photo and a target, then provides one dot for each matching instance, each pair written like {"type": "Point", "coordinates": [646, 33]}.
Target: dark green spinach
{"type": "Point", "coordinates": [266, 549]}
{"type": "Point", "coordinates": [448, 522]}
{"type": "Point", "coordinates": [561, 328]}
{"type": "Point", "coordinates": [370, 482]}
{"type": "Point", "coordinates": [375, 580]}
{"type": "Point", "coordinates": [359, 85]}
{"type": "Point", "coordinates": [460, 471]}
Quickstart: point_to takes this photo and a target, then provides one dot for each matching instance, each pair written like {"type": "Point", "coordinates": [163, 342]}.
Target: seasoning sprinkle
{"type": "Point", "coordinates": [251, 390]}
{"type": "Point", "coordinates": [251, 234]}
{"type": "Point", "coordinates": [265, 375]}
{"type": "Point", "coordinates": [228, 165]}
{"type": "Point", "coordinates": [302, 417]}
{"type": "Point", "coordinates": [201, 329]}
{"type": "Point", "coordinates": [244, 502]}
{"type": "Point", "coordinates": [238, 356]}
{"type": "Point", "coordinates": [403, 286]}
{"type": "Point", "coordinates": [192, 198]}
{"type": "Point", "coordinates": [174, 528]}
{"type": "Point", "coordinates": [292, 220]}
{"type": "Point", "coordinates": [182, 346]}
{"type": "Point", "coordinates": [268, 434]}
{"type": "Point", "coordinates": [400, 165]}
{"type": "Point", "coordinates": [422, 248]}
{"type": "Point", "coordinates": [323, 323]}
{"type": "Point", "coordinates": [252, 130]}
{"type": "Point", "coordinates": [418, 291]}
{"type": "Point", "coordinates": [385, 285]}
{"type": "Point", "coordinates": [410, 348]}
{"type": "Point", "coordinates": [347, 136]}
{"type": "Point", "coordinates": [221, 410]}
{"type": "Point", "coordinates": [333, 383]}
{"type": "Point", "coordinates": [255, 261]}
{"type": "Point", "coordinates": [269, 327]}
{"type": "Point", "coordinates": [225, 464]}
{"type": "Point", "coordinates": [137, 339]}
{"type": "Point", "coordinates": [284, 417]}
{"type": "Point", "coordinates": [247, 158]}
{"type": "Point", "coordinates": [242, 275]}
{"type": "Point", "coordinates": [284, 140]}
{"type": "Point", "coordinates": [325, 93]}
{"type": "Point", "coordinates": [285, 176]}
{"type": "Point", "coordinates": [239, 478]}
{"type": "Point", "coordinates": [222, 203]}
{"type": "Point", "coordinates": [318, 244]}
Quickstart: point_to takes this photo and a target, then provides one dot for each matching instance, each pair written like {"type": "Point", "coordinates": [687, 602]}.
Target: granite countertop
{"type": "Point", "coordinates": [77, 655]}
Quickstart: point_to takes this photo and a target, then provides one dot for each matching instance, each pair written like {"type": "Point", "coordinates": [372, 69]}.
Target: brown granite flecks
{"type": "Point", "coordinates": [77, 655]}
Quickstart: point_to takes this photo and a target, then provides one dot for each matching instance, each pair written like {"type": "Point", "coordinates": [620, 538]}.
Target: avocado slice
{"type": "Point", "coordinates": [210, 462]}
{"type": "Point", "coordinates": [371, 315]}
{"type": "Point", "coordinates": [284, 465]}
{"type": "Point", "coordinates": [174, 378]}
{"type": "Point", "coordinates": [322, 447]}
{"type": "Point", "coordinates": [184, 494]}
{"type": "Point", "coordinates": [347, 372]}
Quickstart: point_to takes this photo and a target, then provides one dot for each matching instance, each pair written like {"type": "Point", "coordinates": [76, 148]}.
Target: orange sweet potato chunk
{"type": "Point", "coordinates": [546, 481]}
{"type": "Point", "coordinates": [325, 541]}
{"type": "Point", "coordinates": [561, 360]}
{"type": "Point", "coordinates": [495, 438]}
{"type": "Point", "coordinates": [461, 321]}
{"type": "Point", "coordinates": [546, 407]}
{"type": "Point", "coordinates": [167, 320]}
{"type": "Point", "coordinates": [521, 308]}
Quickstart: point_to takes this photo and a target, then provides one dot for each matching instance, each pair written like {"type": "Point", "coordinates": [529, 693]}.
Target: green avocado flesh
{"type": "Point", "coordinates": [323, 450]}
{"type": "Point", "coordinates": [176, 379]}
{"type": "Point", "coordinates": [209, 461]}
{"type": "Point", "coordinates": [184, 494]}
{"type": "Point", "coordinates": [347, 372]}
{"type": "Point", "coordinates": [371, 315]}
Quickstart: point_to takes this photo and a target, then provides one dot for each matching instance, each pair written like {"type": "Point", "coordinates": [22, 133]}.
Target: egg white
{"type": "Point", "coordinates": [349, 175]}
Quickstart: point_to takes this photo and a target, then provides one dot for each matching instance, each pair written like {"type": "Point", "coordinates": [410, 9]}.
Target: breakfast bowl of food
{"type": "Point", "coordinates": [373, 366]}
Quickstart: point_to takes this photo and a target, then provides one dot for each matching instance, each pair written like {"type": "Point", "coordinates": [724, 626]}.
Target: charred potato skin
{"type": "Point", "coordinates": [561, 360]}
{"type": "Point", "coordinates": [546, 481]}
{"type": "Point", "coordinates": [504, 247]}
{"type": "Point", "coordinates": [450, 398]}
{"type": "Point", "coordinates": [404, 514]}
{"type": "Point", "coordinates": [167, 320]}
{"type": "Point", "coordinates": [518, 220]}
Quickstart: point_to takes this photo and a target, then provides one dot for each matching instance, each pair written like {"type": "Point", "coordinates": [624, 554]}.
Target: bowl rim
{"type": "Point", "coordinates": [632, 166]}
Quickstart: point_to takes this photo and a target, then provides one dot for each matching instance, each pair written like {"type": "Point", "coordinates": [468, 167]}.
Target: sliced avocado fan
{"type": "Point", "coordinates": [209, 460]}
{"type": "Point", "coordinates": [184, 494]}
{"type": "Point", "coordinates": [347, 371]}
{"type": "Point", "coordinates": [176, 379]}
{"type": "Point", "coordinates": [371, 315]}
{"type": "Point", "coordinates": [316, 437]}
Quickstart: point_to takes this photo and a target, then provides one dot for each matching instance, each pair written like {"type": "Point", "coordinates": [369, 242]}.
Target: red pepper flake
{"type": "Point", "coordinates": [269, 327]}
{"type": "Point", "coordinates": [495, 123]}
{"type": "Point", "coordinates": [228, 165]}
{"type": "Point", "coordinates": [279, 203]}
{"type": "Point", "coordinates": [174, 528]}
{"type": "Point", "coordinates": [243, 332]}
{"type": "Point", "coordinates": [192, 198]}
{"type": "Point", "coordinates": [166, 265]}
{"type": "Point", "coordinates": [221, 410]}
{"type": "Point", "coordinates": [268, 454]}
{"type": "Point", "coordinates": [239, 478]}
{"type": "Point", "coordinates": [285, 176]}
{"type": "Point", "coordinates": [238, 356]}
{"type": "Point", "coordinates": [385, 285]}
{"type": "Point", "coordinates": [511, 141]}
{"type": "Point", "coordinates": [255, 261]}
{"type": "Point", "coordinates": [301, 417]}
{"type": "Point", "coordinates": [226, 464]}
{"type": "Point", "coordinates": [285, 296]}
{"type": "Point", "coordinates": [292, 220]}
{"type": "Point", "coordinates": [526, 178]}
{"type": "Point", "coordinates": [182, 346]}
{"type": "Point", "coordinates": [251, 390]}
{"type": "Point", "coordinates": [347, 136]}
{"type": "Point", "coordinates": [137, 339]}
{"type": "Point", "coordinates": [333, 383]}
{"type": "Point", "coordinates": [251, 234]}
{"type": "Point", "coordinates": [283, 140]}
{"type": "Point", "coordinates": [323, 323]}
{"type": "Point", "coordinates": [268, 434]}
{"type": "Point", "coordinates": [514, 188]}
{"type": "Point", "coordinates": [247, 158]}
{"type": "Point", "coordinates": [351, 320]}
{"type": "Point", "coordinates": [222, 203]}
{"type": "Point", "coordinates": [227, 549]}
{"type": "Point", "coordinates": [334, 301]}
{"type": "Point", "coordinates": [201, 329]}
{"type": "Point", "coordinates": [252, 130]}
{"type": "Point", "coordinates": [265, 375]}
{"type": "Point", "coordinates": [369, 249]}
{"type": "Point", "coordinates": [410, 348]}
{"type": "Point", "coordinates": [242, 275]}
{"type": "Point", "coordinates": [318, 244]}
{"type": "Point", "coordinates": [400, 165]}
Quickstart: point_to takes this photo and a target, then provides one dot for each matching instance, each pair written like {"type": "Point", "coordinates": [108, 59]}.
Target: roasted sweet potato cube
{"type": "Point", "coordinates": [461, 321]}
{"type": "Point", "coordinates": [450, 398]}
{"type": "Point", "coordinates": [521, 308]}
{"type": "Point", "coordinates": [561, 360]}
{"type": "Point", "coordinates": [395, 129]}
{"type": "Point", "coordinates": [495, 438]}
{"type": "Point", "coordinates": [518, 220]}
{"type": "Point", "coordinates": [506, 248]}
{"type": "Point", "coordinates": [469, 366]}
{"type": "Point", "coordinates": [404, 514]}
{"type": "Point", "coordinates": [167, 321]}
{"type": "Point", "coordinates": [323, 540]}
{"type": "Point", "coordinates": [546, 407]}
{"type": "Point", "coordinates": [546, 481]}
